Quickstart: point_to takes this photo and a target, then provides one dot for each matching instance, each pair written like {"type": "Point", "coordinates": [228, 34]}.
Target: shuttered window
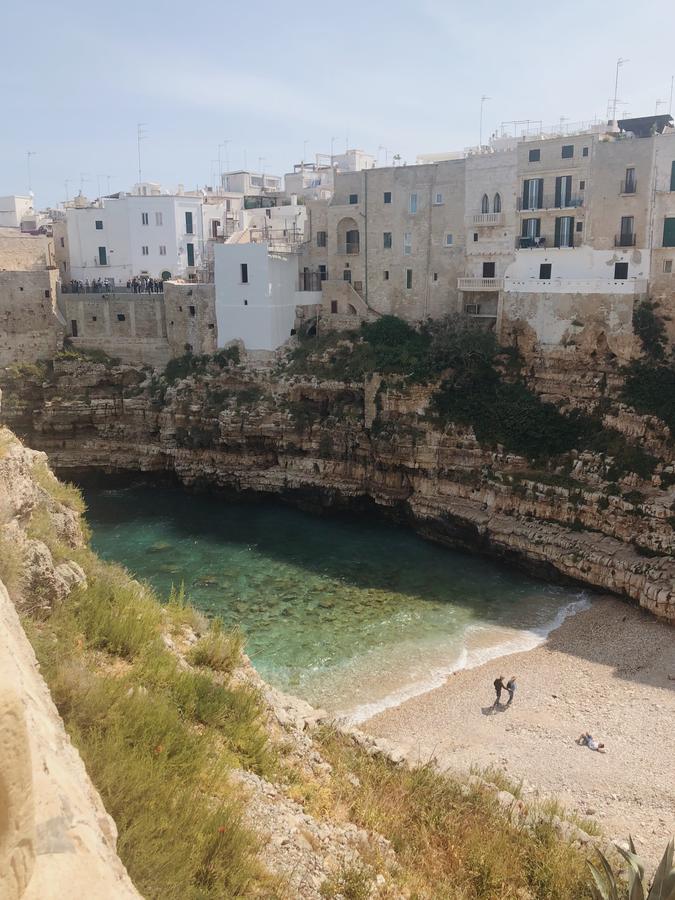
{"type": "Point", "coordinates": [533, 193]}
{"type": "Point", "coordinates": [188, 223]}
{"type": "Point", "coordinates": [672, 176]}
{"type": "Point", "coordinates": [103, 256]}
{"type": "Point", "coordinates": [563, 191]}
{"type": "Point", "coordinates": [564, 231]}
{"type": "Point", "coordinates": [190, 254]}
{"type": "Point", "coordinates": [669, 232]}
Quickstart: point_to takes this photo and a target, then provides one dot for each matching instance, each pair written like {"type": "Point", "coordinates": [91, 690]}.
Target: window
{"type": "Point", "coordinates": [533, 193]}
{"type": "Point", "coordinates": [407, 243]}
{"type": "Point", "coordinates": [245, 302]}
{"type": "Point", "coordinates": [408, 279]}
{"type": "Point", "coordinates": [162, 249]}
{"type": "Point", "coordinates": [243, 271]}
{"type": "Point", "coordinates": [102, 256]}
{"type": "Point", "coordinates": [672, 176]}
{"type": "Point", "coordinates": [472, 309]}
{"type": "Point", "coordinates": [626, 232]}
{"type": "Point", "coordinates": [564, 231]}
{"type": "Point", "coordinates": [386, 238]}
{"type": "Point", "coordinates": [629, 184]}
{"type": "Point", "coordinates": [435, 276]}
{"type": "Point", "coordinates": [47, 294]}
{"type": "Point", "coordinates": [192, 310]}
{"type": "Point", "coordinates": [448, 240]}
{"type": "Point", "coordinates": [545, 271]}
{"type": "Point", "coordinates": [497, 203]}
{"type": "Point", "coordinates": [438, 200]}
{"type": "Point", "coordinates": [73, 327]}
{"type": "Point", "coordinates": [387, 197]}
{"type": "Point", "coordinates": [534, 155]}
{"type": "Point", "coordinates": [353, 199]}
{"type": "Point", "coordinates": [99, 227]}
{"type": "Point", "coordinates": [620, 271]}
{"type": "Point", "coordinates": [669, 232]}
{"type": "Point", "coordinates": [488, 270]}
{"type": "Point", "coordinates": [563, 191]}
{"type": "Point", "coordinates": [667, 266]}
{"type": "Point", "coordinates": [485, 204]}
{"type": "Point", "coordinates": [158, 218]}
{"type": "Point", "coordinates": [584, 152]}
{"type": "Point", "coordinates": [347, 275]}
{"type": "Point", "coordinates": [567, 151]}
{"type": "Point", "coordinates": [188, 223]}
{"type": "Point", "coordinates": [412, 206]}
{"type": "Point", "coordinates": [190, 254]}
{"type": "Point", "coordinates": [121, 317]}
{"type": "Point", "coordinates": [145, 251]}
{"type": "Point", "coordinates": [321, 238]}
{"type": "Point", "coordinates": [580, 226]}
{"type": "Point", "coordinates": [582, 185]}
{"type": "Point", "coordinates": [93, 318]}
{"type": "Point", "coordinates": [145, 219]}
{"type": "Point", "coordinates": [333, 306]}
{"type": "Point", "coordinates": [531, 228]}
{"type": "Point", "coordinates": [475, 236]}
{"type": "Point", "coordinates": [323, 273]}
{"type": "Point", "coordinates": [385, 275]}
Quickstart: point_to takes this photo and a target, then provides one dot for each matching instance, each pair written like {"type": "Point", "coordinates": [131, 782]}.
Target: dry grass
{"type": "Point", "coordinates": [452, 840]}
{"type": "Point", "coordinates": [60, 491]}
{"type": "Point", "coordinates": [217, 649]}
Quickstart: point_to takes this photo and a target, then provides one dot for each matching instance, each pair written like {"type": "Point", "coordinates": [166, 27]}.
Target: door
{"type": "Point", "coordinates": [564, 231]}
{"type": "Point", "coordinates": [488, 270]}
{"type": "Point", "coordinates": [347, 275]}
{"type": "Point", "coordinates": [563, 191]}
{"type": "Point", "coordinates": [190, 254]}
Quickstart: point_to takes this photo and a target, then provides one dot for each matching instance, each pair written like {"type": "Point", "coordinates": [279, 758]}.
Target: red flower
{"type": "Point", "coordinates": [221, 829]}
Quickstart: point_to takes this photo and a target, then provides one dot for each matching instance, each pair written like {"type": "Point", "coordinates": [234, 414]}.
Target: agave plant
{"type": "Point", "coordinates": [607, 885]}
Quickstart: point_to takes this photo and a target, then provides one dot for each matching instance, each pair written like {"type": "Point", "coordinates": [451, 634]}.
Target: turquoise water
{"type": "Point", "coordinates": [351, 613]}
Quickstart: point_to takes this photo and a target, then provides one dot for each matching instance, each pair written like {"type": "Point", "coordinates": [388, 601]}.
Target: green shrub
{"type": "Point", "coordinates": [11, 565]}
{"type": "Point", "coordinates": [650, 389]}
{"type": "Point", "coordinates": [650, 328]}
{"type": "Point", "coordinates": [217, 649]}
{"type": "Point", "coordinates": [60, 491]}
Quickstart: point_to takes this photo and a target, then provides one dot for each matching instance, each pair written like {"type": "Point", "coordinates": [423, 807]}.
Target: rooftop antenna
{"type": "Point", "coordinates": [480, 133]}
{"type": "Point", "coordinates": [386, 153]}
{"type": "Point", "coordinates": [108, 177]}
{"type": "Point", "coordinates": [141, 135]}
{"type": "Point", "coordinates": [332, 145]}
{"type": "Point", "coordinates": [83, 177]}
{"type": "Point", "coordinates": [66, 183]}
{"type": "Point", "coordinates": [657, 104]}
{"type": "Point", "coordinates": [563, 119]}
{"type": "Point", "coordinates": [670, 108]}
{"type": "Point", "coordinates": [620, 62]}
{"type": "Point", "coordinates": [29, 153]}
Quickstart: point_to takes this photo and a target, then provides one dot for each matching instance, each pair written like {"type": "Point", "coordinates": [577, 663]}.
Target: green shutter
{"type": "Point", "coordinates": [526, 185]}
{"type": "Point", "coordinates": [672, 176]}
{"type": "Point", "coordinates": [556, 236]}
{"type": "Point", "coordinates": [188, 223]}
{"type": "Point", "coordinates": [669, 232]}
{"type": "Point", "coordinates": [540, 193]}
{"type": "Point", "coordinates": [558, 192]}
{"type": "Point", "coordinates": [102, 256]}
{"type": "Point", "coordinates": [190, 254]}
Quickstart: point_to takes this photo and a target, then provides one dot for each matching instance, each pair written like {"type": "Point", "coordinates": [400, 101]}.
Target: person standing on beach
{"type": "Point", "coordinates": [511, 688]}
{"type": "Point", "coordinates": [499, 687]}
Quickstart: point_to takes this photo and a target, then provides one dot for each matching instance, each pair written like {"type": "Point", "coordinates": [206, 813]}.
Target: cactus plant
{"type": "Point", "coordinates": [607, 885]}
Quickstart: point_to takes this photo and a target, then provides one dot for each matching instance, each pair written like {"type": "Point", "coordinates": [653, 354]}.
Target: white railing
{"type": "Point", "coordinates": [488, 218]}
{"type": "Point", "coordinates": [479, 284]}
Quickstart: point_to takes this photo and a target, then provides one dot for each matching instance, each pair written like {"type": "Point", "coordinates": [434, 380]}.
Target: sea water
{"type": "Point", "coordinates": [351, 613]}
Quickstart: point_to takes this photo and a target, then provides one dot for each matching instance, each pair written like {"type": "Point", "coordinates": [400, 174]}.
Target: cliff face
{"type": "Point", "coordinates": [54, 830]}
{"type": "Point", "coordinates": [325, 445]}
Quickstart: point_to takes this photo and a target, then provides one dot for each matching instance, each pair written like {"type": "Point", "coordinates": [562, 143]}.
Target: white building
{"type": "Point", "coordinates": [13, 209]}
{"type": "Point", "coordinates": [145, 233]}
{"type": "Point", "coordinates": [250, 183]}
{"type": "Point", "coordinates": [256, 294]}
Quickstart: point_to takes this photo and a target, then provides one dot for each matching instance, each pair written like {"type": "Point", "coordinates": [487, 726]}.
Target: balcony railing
{"type": "Point", "coordinates": [629, 186]}
{"type": "Point", "coordinates": [479, 284]}
{"type": "Point", "coordinates": [484, 219]}
{"type": "Point", "coordinates": [548, 201]}
{"type": "Point", "coordinates": [546, 241]}
{"type": "Point", "coordinates": [624, 240]}
{"type": "Point", "coordinates": [350, 248]}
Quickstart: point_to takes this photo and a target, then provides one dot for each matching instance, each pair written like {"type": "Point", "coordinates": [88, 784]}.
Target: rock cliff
{"type": "Point", "coordinates": [331, 444]}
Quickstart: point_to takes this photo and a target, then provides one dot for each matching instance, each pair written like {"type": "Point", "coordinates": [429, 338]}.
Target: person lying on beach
{"type": "Point", "coordinates": [589, 741]}
{"type": "Point", "coordinates": [499, 687]}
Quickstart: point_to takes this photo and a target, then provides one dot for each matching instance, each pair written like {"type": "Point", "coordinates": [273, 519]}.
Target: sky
{"type": "Point", "coordinates": [282, 81]}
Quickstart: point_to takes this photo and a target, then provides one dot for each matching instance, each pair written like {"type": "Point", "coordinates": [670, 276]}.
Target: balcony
{"type": "Point", "coordinates": [349, 248]}
{"type": "Point", "coordinates": [479, 284]}
{"type": "Point", "coordinates": [624, 240]}
{"type": "Point", "coordinates": [628, 186]}
{"type": "Point", "coordinates": [548, 201]}
{"type": "Point", "coordinates": [543, 242]}
{"type": "Point", "coordinates": [482, 220]}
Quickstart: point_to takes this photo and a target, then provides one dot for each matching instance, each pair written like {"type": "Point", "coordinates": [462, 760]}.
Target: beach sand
{"type": "Point", "coordinates": [605, 670]}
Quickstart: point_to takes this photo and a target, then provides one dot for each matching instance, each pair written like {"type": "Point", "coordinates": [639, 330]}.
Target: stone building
{"type": "Point", "coordinates": [31, 326]}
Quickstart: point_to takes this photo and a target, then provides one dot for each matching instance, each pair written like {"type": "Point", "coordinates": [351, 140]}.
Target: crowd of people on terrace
{"type": "Point", "coordinates": [142, 284]}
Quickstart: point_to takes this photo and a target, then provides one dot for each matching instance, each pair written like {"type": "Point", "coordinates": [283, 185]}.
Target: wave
{"type": "Point", "coordinates": [527, 639]}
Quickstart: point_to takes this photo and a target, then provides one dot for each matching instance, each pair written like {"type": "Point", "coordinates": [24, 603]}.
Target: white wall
{"type": "Point", "coordinates": [265, 320]}
{"type": "Point", "coordinates": [579, 270]}
{"type": "Point", "coordinates": [13, 208]}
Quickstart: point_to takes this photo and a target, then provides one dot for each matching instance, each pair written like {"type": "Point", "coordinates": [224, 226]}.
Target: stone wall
{"type": "Point", "coordinates": [31, 327]}
{"type": "Point", "coordinates": [190, 311]}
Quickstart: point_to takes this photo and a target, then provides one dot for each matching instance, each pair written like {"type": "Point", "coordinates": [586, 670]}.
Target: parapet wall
{"type": "Point", "coordinates": [31, 327]}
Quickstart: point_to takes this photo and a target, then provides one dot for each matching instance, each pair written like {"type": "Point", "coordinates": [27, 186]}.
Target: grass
{"type": "Point", "coordinates": [217, 650]}
{"type": "Point", "coordinates": [158, 739]}
{"type": "Point", "coordinates": [60, 491]}
{"type": "Point", "coordinates": [11, 566]}
{"type": "Point", "coordinates": [452, 840]}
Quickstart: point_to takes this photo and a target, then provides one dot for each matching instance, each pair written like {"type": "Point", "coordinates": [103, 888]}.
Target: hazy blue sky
{"type": "Point", "coordinates": [76, 77]}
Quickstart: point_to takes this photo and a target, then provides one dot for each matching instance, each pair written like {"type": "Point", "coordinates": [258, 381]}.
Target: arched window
{"type": "Point", "coordinates": [485, 204]}
{"type": "Point", "coordinates": [497, 204]}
